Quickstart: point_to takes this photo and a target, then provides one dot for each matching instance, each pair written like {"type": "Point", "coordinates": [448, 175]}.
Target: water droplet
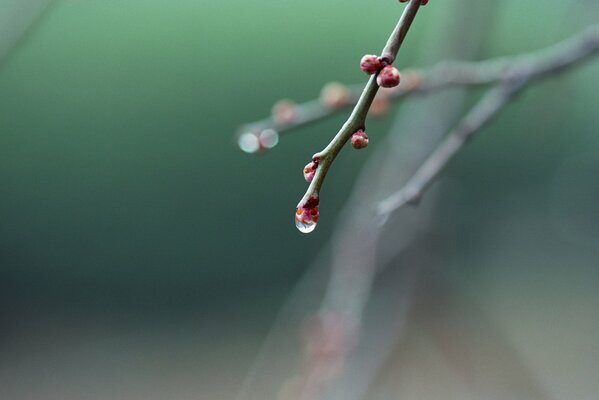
{"type": "Point", "coordinates": [268, 138]}
{"type": "Point", "coordinates": [249, 142]}
{"type": "Point", "coordinates": [306, 219]}
{"type": "Point", "coordinates": [305, 227]}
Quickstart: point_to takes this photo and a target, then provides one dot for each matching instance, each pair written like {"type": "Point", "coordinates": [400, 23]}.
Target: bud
{"type": "Point", "coordinates": [370, 64]}
{"type": "Point", "coordinates": [334, 95]}
{"type": "Point", "coordinates": [310, 171]}
{"type": "Point", "coordinates": [359, 140]}
{"type": "Point", "coordinates": [388, 77]}
{"type": "Point", "coordinates": [284, 112]}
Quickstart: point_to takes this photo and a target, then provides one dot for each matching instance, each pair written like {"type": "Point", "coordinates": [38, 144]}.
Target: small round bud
{"type": "Point", "coordinates": [388, 77]}
{"type": "Point", "coordinates": [424, 2]}
{"type": "Point", "coordinates": [284, 112]}
{"type": "Point", "coordinates": [370, 64]}
{"type": "Point", "coordinates": [359, 140]}
{"type": "Point", "coordinates": [334, 95]}
{"type": "Point", "coordinates": [310, 171]}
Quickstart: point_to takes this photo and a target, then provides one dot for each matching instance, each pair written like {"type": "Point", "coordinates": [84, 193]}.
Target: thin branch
{"type": "Point", "coordinates": [517, 76]}
{"type": "Point", "coordinates": [358, 116]}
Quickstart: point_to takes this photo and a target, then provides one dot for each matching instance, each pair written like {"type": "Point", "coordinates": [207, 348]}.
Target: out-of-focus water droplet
{"type": "Point", "coordinates": [306, 219]}
{"type": "Point", "coordinates": [249, 142]}
{"type": "Point", "coordinates": [268, 138]}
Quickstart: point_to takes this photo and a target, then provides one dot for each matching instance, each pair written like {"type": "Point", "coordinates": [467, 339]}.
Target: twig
{"type": "Point", "coordinates": [516, 76]}
{"type": "Point", "coordinates": [358, 116]}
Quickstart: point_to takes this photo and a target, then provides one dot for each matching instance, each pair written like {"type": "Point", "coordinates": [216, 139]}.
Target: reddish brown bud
{"type": "Point", "coordinates": [370, 64]}
{"type": "Point", "coordinates": [334, 95]}
{"type": "Point", "coordinates": [388, 77]}
{"type": "Point", "coordinates": [312, 202]}
{"type": "Point", "coordinates": [310, 171]}
{"type": "Point", "coordinates": [284, 112]}
{"type": "Point", "coordinates": [359, 140]}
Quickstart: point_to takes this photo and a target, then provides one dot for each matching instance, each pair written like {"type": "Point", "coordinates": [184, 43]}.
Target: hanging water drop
{"type": "Point", "coordinates": [306, 219]}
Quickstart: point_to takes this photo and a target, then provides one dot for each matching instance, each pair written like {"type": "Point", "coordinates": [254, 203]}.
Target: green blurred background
{"type": "Point", "coordinates": [142, 254]}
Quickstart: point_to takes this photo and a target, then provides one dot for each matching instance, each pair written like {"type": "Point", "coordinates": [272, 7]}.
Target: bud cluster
{"type": "Point", "coordinates": [285, 112]}
{"type": "Point", "coordinates": [388, 75]}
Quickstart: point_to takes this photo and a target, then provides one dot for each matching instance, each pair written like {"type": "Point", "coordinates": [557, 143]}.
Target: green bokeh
{"type": "Point", "coordinates": [122, 187]}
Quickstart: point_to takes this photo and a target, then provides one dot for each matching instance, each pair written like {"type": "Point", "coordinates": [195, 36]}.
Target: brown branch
{"type": "Point", "coordinates": [516, 77]}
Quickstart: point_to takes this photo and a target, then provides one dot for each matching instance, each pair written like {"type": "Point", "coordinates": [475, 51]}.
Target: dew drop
{"type": "Point", "coordinates": [306, 219]}
{"type": "Point", "coordinates": [268, 138]}
{"type": "Point", "coordinates": [305, 227]}
{"type": "Point", "coordinates": [249, 142]}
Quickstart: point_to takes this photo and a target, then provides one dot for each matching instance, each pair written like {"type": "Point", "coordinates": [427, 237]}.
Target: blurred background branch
{"type": "Point", "coordinates": [513, 76]}
{"type": "Point", "coordinates": [17, 19]}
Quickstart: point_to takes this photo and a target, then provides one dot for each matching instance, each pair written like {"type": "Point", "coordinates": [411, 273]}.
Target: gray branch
{"type": "Point", "coordinates": [515, 76]}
